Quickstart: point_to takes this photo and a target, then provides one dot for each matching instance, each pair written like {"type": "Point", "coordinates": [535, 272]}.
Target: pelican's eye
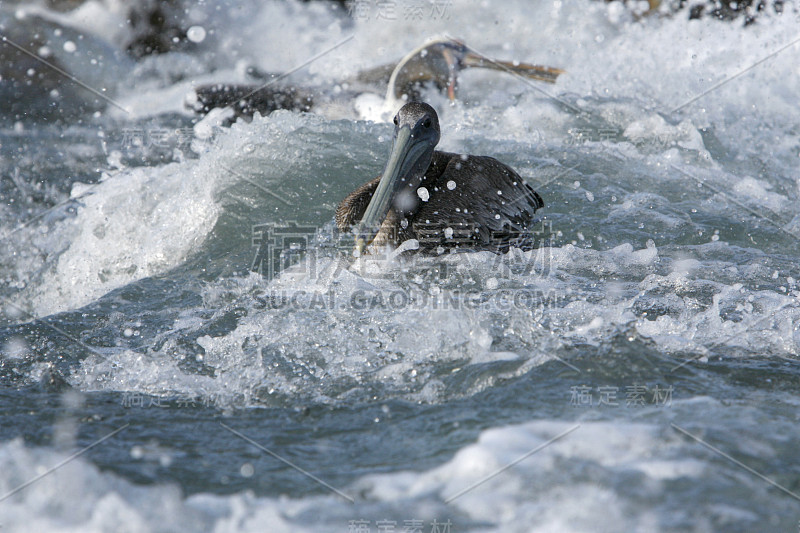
{"type": "Point", "coordinates": [395, 120]}
{"type": "Point", "coordinates": [427, 123]}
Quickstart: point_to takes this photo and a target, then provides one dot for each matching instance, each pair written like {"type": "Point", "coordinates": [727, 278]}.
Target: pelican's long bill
{"type": "Point", "coordinates": [534, 72]}
{"type": "Point", "coordinates": [406, 152]}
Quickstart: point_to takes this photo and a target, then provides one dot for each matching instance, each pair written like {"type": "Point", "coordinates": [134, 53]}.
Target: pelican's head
{"type": "Point", "coordinates": [416, 134]}
{"type": "Point", "coordinates": [440, 61]}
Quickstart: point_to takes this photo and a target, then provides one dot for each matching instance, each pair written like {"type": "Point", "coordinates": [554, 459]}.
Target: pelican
{"type": "Point", "coordinates": [437, 63]}
{"type": "Point", "coordinates": [440, 61]}
{"type": "Point", "coordinates": [443, 200]}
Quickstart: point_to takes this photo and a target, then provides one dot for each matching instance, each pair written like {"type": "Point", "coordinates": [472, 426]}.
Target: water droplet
{"type": "Point", "coordinates": [247, 470]}
{"type": "Point", "coordinates": [196, 34]}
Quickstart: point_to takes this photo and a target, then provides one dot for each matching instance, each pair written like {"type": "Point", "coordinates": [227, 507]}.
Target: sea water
{"type": "Point", "coordinates": [187, 345]}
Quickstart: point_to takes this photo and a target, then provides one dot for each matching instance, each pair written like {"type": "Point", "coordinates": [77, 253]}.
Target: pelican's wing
{"type": "Point", "coordinates": [479, 201]}
{"type": "Point", "coordinates": [352, 208]}
{"type": "Point", "coordinates": [245, 100]}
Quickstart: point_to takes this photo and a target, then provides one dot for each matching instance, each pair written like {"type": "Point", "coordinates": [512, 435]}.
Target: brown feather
{"type": "Point", "coordinates": [470, 209]}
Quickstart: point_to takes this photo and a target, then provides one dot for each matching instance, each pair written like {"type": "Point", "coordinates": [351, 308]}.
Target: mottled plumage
{"type": "Point", "coordinates": [443, 199]}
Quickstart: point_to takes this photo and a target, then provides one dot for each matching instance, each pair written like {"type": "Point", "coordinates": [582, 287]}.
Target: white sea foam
{"type": "Point", "coordinates": [158, 216]}
{"type": "Point", "coordinates": [343, 330]}
{"type": "Point", "coordinates": [145, 221]}
{"type": "Point", "coordinates": [135, 223]}
{"type": "Point", "coordinates": [511, 479]}
{"type": "Point", "coordinates": [647, 177]}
